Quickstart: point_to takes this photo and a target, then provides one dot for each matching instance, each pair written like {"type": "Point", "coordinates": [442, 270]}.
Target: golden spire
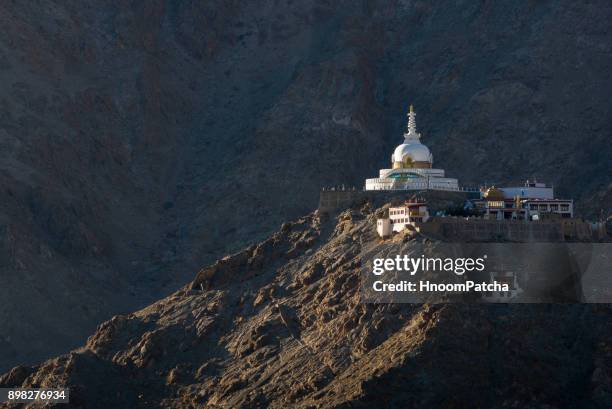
{"type": "Point", "coordinates": [411, 108]}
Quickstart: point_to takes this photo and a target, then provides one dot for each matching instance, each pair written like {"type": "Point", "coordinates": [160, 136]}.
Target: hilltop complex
{"type": "Point", "coordinates": [412, 174]}
{"type": "Point", "coordinates": [488, 208]}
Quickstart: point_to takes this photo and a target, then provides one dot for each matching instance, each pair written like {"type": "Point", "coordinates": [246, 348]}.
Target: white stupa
{"type": "Point", "coordinates": [412, 166]}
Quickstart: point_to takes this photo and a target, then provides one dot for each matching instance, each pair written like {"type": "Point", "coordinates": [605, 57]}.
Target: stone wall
{"type": "Point", "coordinates": [331, 201]}
{"type": "Point", "coordinates": [460, 229]}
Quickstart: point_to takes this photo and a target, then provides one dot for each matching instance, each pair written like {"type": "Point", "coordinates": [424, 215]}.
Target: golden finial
{"type": "Point", "coordinates": [411, 109]}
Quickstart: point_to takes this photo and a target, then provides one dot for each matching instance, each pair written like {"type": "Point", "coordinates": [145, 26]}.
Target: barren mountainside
{"type": "Point", "coordinates": [140, 141]}
{"type": "Point", "coordinates": [279, 324]}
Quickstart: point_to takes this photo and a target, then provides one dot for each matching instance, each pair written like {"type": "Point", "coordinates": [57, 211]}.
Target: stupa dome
{"type": "Point", "coordinates": [416, 151]}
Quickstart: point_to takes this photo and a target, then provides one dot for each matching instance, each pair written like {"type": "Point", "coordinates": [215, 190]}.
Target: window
{"type": "Point", "coordinates": [533, 207]}
{"type": "Point", "coordinates": [565, 207]}
{"type": "Point", "coordinates": [554, 207]}
{"type": "Point", "coordinates": [543, 207]}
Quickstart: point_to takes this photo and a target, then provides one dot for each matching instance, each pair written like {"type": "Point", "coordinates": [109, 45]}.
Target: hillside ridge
{"type": "Point", "coordinates": [280, 324]}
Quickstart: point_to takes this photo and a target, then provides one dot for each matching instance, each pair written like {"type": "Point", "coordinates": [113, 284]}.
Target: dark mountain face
{"type": "Point", "coordinates": [138, 141]}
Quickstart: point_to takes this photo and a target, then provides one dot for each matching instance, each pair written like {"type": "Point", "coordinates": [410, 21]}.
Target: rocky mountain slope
{"type": "Point", "coordinates": [142, 140]}
{"type": "Point", "coordinates": [279, 324]}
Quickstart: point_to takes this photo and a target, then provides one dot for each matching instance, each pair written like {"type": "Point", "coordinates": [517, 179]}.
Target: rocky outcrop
{"type": "Point", "coordinates": [280, 324]}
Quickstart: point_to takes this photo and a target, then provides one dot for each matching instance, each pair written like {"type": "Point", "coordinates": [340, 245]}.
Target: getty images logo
{"type": "Point", "coordinates": [413, 265]}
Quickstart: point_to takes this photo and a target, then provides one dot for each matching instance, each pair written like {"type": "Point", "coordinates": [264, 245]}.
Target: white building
{"type": "Point", "coordinates": [537, 207]}
{"type": "Point", "coordinates": [410, 213]}
{"type": "Point", "coordinates": [531, 202]}
{"type": "Point", "coordinates": [412, 167]}
{"type": "Point", "coordinates": [384, 228]}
